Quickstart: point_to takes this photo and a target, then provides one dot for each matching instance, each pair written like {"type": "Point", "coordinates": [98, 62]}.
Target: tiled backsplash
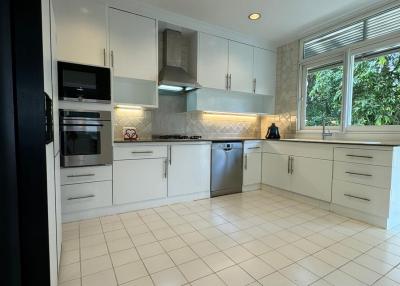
{"type": "Point", "coordinates": [170, 118]}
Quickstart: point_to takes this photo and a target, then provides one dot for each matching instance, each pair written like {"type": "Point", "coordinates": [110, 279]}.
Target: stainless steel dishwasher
{"type": "Point", "coordinates": [226, 168]}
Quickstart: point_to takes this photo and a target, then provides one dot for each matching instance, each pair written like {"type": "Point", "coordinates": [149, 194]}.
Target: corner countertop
{"type": "Point", "coordinates": [155, 140]}
{"type": "Point", "coordinates": [343, 142]}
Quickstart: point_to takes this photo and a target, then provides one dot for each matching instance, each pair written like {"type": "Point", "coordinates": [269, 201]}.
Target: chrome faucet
{"type": "Point", "coordinates": [324, 132]}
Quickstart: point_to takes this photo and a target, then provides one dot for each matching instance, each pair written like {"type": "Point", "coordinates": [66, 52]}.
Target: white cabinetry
{"type": "Point", "coordinates": [189, 169]}
{"type": "Point", "coordinates": [229, 65]}
{"type": "Point", "coordinates": [140, 173]}
{"type": "Point", "coordinates": [264, 72]}
{"type": "Point", "coordinates": [366, 184]}
{"type": "Point", "coordinates": [240, 67]}
{"type": "Point", "coordinates": [212, 61]}
{"type": "Point", "coordinates": [81, 31]}
{"type": "Point", "coordinates": [133, 45]}
{"type": "Point", "coordinates": [252, 165]}
{"type": "Point", "coordinates": [139, 180]}
{"type": "Point", "coordinates": [299, 168]}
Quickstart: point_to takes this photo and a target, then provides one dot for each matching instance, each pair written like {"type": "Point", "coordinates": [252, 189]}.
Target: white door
{"type": "Point", "coordinates": [139, 180]}
{"type": "Point", "coordinates": [212, 61]}
{"type": "Point", "coordinates": [189, 169]}
{"type": "Point", "coordinates": [133, 45]}
{"type": "Point", "coordinates": [312, 177]}
{"type": "Point", "coordinates": [264, 71]}
{"type": "Point", "coordinates": [252, 168]}
{"type": "Point", "coordinates": [240, 67]}
{"type": "Point", "coordinates": [275, 171]}
{"type": "Point", "coordinates": [81, 31]}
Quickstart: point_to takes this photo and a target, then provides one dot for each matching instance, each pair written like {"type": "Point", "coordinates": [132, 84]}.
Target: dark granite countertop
{"type": "Point", "coordinates": [155, 140]}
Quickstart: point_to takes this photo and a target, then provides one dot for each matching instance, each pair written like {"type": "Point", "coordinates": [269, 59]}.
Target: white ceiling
{"type": "Point", "coordinates": [282, 20]}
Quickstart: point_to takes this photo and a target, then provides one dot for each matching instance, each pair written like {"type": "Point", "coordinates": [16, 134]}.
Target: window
{"type": "Point", "coordinates": [351, 75]}
{"type": "Point", "coordinates": [324, 95]}
{"type": "Point", "coordinates": [376, 89]}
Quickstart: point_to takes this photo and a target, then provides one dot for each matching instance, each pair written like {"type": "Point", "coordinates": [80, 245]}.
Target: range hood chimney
{"type": "Point", "coordinates": [173, 76]}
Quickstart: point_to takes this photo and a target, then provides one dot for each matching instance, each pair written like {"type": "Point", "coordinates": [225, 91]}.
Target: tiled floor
{"type": "Point", "coordinates": [256, 238]}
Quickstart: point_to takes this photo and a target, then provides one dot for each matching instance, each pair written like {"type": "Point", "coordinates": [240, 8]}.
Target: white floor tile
{"type": "Point", "coordinates": [235, 276]}
{"type": "Point", "coordinates": [157, 263]}
{"type": "Point", "coordinates": [194, 270]}
{"type": "Point", "coordinates": [169, 277]}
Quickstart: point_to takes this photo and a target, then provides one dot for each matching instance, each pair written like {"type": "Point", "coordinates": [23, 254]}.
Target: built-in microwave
{"type": "Point", "coordinates": [84, 83]}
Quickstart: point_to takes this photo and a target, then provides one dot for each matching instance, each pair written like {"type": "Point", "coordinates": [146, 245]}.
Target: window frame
{"type": "Point", "coordinates": [346, 55]}
{"type": "Point", "coordinates": [303, 91]}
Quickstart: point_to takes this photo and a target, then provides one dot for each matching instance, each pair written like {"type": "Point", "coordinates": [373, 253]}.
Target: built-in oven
{"type": "Point", "coordinates": [85, 138]}
{"type": "Point", "coordinates": [84, 83]}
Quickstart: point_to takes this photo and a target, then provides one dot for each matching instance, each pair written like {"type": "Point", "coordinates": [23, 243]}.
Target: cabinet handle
{"type": "Point", "coordinates": [227, 81]}
{"type": "Point", "coordinates": [112, 58]}
{"type": "Point", "coordinates": [230, 81]}
{"type": "Point", "coordinates": [288, 165]}
{"type": "Point", "coordinates": [359, 198]}
{"type": "Point", "coordinates": [142, 152]}
{"type": "Point", "coordinates": [170, 155]}
{"type": "Point", "coordinates": [245, 162]}
{"type": "Point", "coordinates": [165, 168]}
{"type": "Point", "coordinates": [104, 56]}
{"type": "Point", "coordinates": [254, 85]}
{"type": "Point", "coordinates": [360, 156]}
{"type": "Point", "coordinates": [81, 175]}
{"type": "Point", "coordinates": [359, 174]}
{"type": "Point", "coordinates": [291, 165]}
{"type": "Point", "coordinates": [252, 148]}
{"type": "Point", "coordinates": [81, 197]}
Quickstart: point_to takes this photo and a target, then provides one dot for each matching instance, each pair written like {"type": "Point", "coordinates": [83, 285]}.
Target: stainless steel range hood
{"type": "Point", "coordinates": [173, 76]}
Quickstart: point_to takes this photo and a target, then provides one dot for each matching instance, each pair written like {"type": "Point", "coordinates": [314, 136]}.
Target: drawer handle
{"type": "Point", "coordinates": [360, 156]}
{"type": "Point", "coordinates": [142, 152]}
{"type": "Point", "coordinates": [359, 174]}
{"type": "Point", "coordinates": [81, 197]}
{"type": "Point", "coordinates": [359, 198]}
{"type": "Point", "coordinates": [252, 148]}
{"type": "Point", "coordinates": [81, 175]}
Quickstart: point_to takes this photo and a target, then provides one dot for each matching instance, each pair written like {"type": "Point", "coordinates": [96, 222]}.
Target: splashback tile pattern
{"type": "Point", "coordinates": [140, 119]}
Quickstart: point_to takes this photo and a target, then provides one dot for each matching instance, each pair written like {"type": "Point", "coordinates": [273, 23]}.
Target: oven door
{"type": "Point", "coordinates": [86, 144]}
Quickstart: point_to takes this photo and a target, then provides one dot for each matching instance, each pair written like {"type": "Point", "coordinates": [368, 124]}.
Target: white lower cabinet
{"type": "Point", "coordinates": [252, 169]}
{"type": "Point", "coordinates": [139, 180]}
{"type": "Point", "coordinates": [310, 176]}
{"type": "Point", "coordinates": [275, 171]}
{"type": "Point", "coordinates": [189, 169]}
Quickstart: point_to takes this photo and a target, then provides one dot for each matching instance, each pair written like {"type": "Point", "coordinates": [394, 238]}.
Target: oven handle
{"type": "Point", "coordinates": [100, 125]}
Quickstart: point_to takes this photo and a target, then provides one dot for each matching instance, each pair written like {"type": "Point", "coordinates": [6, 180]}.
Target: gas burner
{"type": "Point", "coordinates": [178, 137]}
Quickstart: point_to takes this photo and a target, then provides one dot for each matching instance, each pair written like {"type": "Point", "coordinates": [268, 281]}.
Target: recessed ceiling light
{"type": "Point", "coordinates": [254, 16]}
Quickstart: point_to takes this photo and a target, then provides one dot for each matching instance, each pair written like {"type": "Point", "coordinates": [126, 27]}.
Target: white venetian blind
{"type": "Point", "coordinates": [371, 27]}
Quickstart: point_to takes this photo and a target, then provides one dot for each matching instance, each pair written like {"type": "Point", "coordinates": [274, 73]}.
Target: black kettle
{"type": "Point", "coordinates": [273, 132]}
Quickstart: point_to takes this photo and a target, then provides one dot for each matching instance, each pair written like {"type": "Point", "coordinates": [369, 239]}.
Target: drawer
{"type": "Point", "coordinates": [376, 176]}
{"type": "Point", "coordinates": [362, 198]}
{"type": "Point", "coordinates": [308, 150]}
{"type": "Point", "coordinates": [139, 152]}
{"type": "Point", "coordinates": [364, 156]}
{"type": "Point", "coordinates": [85, 174]}
{"type": "Point", "coordinates": [252, 147]}
{"type": "Point", "coordinates": [81, 197]}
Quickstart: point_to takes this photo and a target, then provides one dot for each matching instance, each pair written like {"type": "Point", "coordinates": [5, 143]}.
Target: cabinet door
{"type": "Point", "coordinates": [189, 169]}
{"type": "Point", "coordinates": [264, 71]}
{"type": "Point", "coordinates": [133, 45]}
{"type": "Point", "coordinates": [139, 180]}
{"type": "Point", "coordinates": [241, 67]}
{"type": "Point", "coordinates": [212, 62]}
{"type": "Point", "coordinates": [312, 177]}
{"type": "Point", "coordinates": [81, 31]}
{"type": "Point", "coordinates": [252, 168]}
{"type": "Point", "coordinates": [275, 171]}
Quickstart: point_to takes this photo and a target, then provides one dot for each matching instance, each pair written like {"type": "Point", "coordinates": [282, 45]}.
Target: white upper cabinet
{"type": "Point", "coordinates": [264, 70]}
{"type": "Point", "coordinates": [189, 169]}
{"type": "Point", "coordinates": [81, 31]}
{"type": "Point", "coordinates": [212, 61]}
{"type": "Point", "coordinates": [240, 67]}
{"type": "Point", "coordinates": [133, 46]}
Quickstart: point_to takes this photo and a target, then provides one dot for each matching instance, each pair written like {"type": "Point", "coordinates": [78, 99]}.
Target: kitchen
{"type": "Point", "coordinates": [188, 148]}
